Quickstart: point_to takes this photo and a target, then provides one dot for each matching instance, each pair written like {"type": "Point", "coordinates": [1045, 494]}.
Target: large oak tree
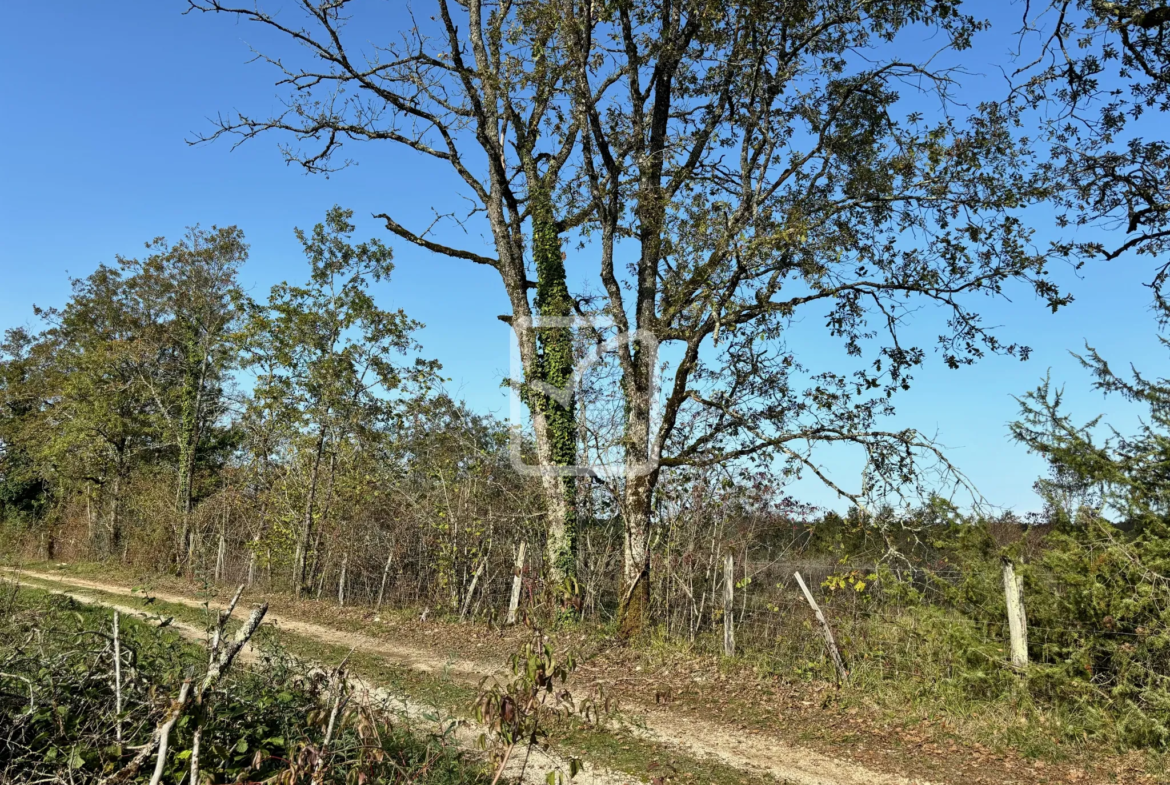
{"type": "Point", "coordinates": [730, 169]}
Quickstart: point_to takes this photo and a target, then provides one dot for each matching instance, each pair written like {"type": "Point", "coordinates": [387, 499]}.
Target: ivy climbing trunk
{"type": "Point", "coordinates": [555, 368]}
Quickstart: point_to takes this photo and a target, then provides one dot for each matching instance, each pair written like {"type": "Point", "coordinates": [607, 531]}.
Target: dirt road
{"type": "Point", "coordinates": [757, 753]}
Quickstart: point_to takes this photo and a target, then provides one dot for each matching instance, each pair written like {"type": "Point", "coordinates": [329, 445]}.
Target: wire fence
{"type": "Point", "coordinates": [897, 621]}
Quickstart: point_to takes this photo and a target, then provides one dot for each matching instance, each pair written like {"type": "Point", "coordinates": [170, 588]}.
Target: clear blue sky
{"type": "Point", "coordinates": [99, 98]}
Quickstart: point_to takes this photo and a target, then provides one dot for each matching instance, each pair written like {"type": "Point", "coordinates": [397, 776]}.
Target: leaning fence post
{"type": "Point", "coordinates": [517, 575]}
{"type": "Point", "coordinates": [1013, 590]}
{"type": "Point", "coordinates": [838, 663]}
{"type": "Point", "coordinates": [729, 605]}
{"type": "Point", "coordinates": [385, 574]}
{"type": "Point", "coordinates": [471, 589]}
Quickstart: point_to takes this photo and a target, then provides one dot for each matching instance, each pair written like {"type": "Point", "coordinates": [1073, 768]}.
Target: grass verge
{"type": "Point", "coordinates": [449, 697]}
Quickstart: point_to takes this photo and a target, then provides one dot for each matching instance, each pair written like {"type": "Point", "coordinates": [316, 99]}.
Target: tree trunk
{"type": "Point", "coordinates": [314, 565]}
{"type": "Point", "coordinates": [252, 565]}
{"type": "Point", "coordinates": [184, 542]}
{"type": "Point", "coordinates": [315, 570]}
{"type": "Point", "coordinates": [471, 588]}
{"type": "Point", "coordinates": [49, 540]}
{"type": "Point", "coordinates": [114, 525]}
{"type": "Point", "coordinates": [188, 439]}
{"type": "Point", "coordinates": [90, 523]}
{"type": "Point", "coordinates": [641, 478]}
{"type": "Point", "coordinates": [640, 365]}
{"type": "Point", "coordinates": [729, 606]}
{"type": "Point", "coordinates": [555, 368]}
{"type": "Point", "coordinates": [634, 609]}
{"type": "Point", "coordinates": [255, 546]}
{"type": "Point", "coordinates": [306, 532]}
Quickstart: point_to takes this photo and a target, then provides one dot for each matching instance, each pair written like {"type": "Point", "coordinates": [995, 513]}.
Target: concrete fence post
{"type": "Point", "coordinates": [1013, 591]}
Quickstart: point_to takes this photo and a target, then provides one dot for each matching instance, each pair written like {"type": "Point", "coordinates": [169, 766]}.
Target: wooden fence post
{"type": "Point", "coordinates": [385, 574]}
{"type": "Point", "coordinates": [1017, 621]}
{"type": "Point", "coordinates": [220, 556]}
{"type": "Point", "coordinates": [729, 605]}
{"type": "Point", "coordinates": [517, 574]}
{"type": "Point", "coordinates": [252, 565]}
{"type": "Point", "coordinates": [838, 663]}
{"type": "Point", "coordinates": [471, 589]}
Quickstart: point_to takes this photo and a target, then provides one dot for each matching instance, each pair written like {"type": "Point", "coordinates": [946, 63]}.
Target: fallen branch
{"type": "Point", "coordinates": [219, 661]}
{"type": "Point", "coordinates": [337, 684]}
{"type": "Point", "coordinates": [117, 683]}
{"type": "Point", "coordinates": [158, 743]}
{"type": "Point", "coordinates": [471, 589]}
{"type": "Point", "coordinates": [31, 695]}
{"type": "Point", "coordinates": [163, 733]}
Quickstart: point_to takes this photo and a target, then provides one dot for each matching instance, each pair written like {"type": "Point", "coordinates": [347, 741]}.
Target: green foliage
{"type": "Point", "coordinates": [1096, 611]}
{"type": "Point", "coordinates": [24, 490]}
{"type": "Point", "coordinates": [517, 712]}
{"type": "Point", "coordinates": [1123, 476]}
{"type": "Point", "coordinates": [131, 371]}
{"type": "Point", "coordinates": [1094, 570]}
{"type": "Point", "coordinates": [327, 386]}
{"type": "Point", "coordinates": [1101, 580]}
{"type": "Point", "coordinates": [1109, 168]}
{"type": "Point", "coordinates": [187, 298]}
{"type": "Point", "coordinates": [323, 352]}
{"type": "Point", "coordinates": [57, 717]}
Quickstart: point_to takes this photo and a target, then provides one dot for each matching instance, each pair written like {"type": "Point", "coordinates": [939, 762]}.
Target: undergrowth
{"type": "Point", "coordinates": [59, 721]}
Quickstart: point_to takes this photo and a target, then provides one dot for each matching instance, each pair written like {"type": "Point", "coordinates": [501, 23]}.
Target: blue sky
{"type": "Point", "coordinates": [100, 98]}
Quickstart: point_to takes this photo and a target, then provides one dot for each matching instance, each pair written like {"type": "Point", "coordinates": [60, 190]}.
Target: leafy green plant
{"type": "Point", "coordinates": [517, 712]}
